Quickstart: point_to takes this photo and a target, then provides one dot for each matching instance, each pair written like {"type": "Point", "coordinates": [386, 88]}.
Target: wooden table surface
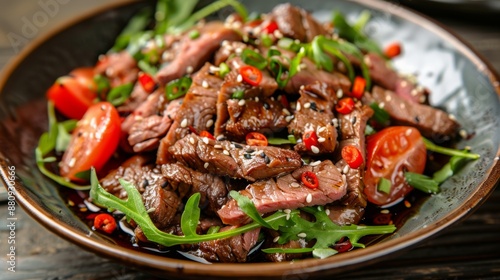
{"type": "Point", "coordinates": [469, 250]}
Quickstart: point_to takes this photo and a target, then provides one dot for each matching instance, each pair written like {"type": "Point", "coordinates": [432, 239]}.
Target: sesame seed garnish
{"type": "Point", "coordinates": [204, 84]}
{"type": "Point", "coordinates": [315, 163]}
{"type": "Point", "coordinates": [239, 78]}
{"type": "Point", "coordinates": [276, 239]}
{"type": "Point", "coordinates": [189, 69]}
{"type": "Point", "coordinates": [452, 117]}
{"type": "Point", "coordinates": [344, 178]}
{"type": "Point", "coordinates": [321, 129]}
{"type": "Point", "coordinates": [402, 106]}
{"type": "Point", "coordinates": [302, 235]}
{"type": "Point", "coordinates": [335, 122]}
{"type": "Point", "coordinates": [307, 105]}
{"type": "Point", "coordinates": [309, 198]}
{"type": "Point", "coordinates": [294, 185]}
{"type": "Point", "coordinates": [289, 118]}
{"type": "Point", "coordinates": [184, 123]}
{"type": "Point", "coordinates": [72, 162]}
{"type": "Point", "coordinates": [256, 99]}
{"type": "Point", "coordinates": [286, 112]}
{"type": "Point", "coordinates": [463, 133]}
{"type": "Point", "coordinates": [327, 211]}
{"type": "Point", "coordinates": [408, 132]}
{"type": "Point", "coordinates": [367, 61]}
{"type": "Point", "coordinates": [287, 211]}
{"type": "Point", "coordinates": [388, 98]}
{"type": "Point", "coordinates": [241, 102]}
{"type": "Point", "coordinates": [384, 211]}
{"type": "Point", "coordinates": [220, 137]}
{"type": "Point", "coordinates": [238, 51]}
{"type": "Point", "coordinates": [226, 152]}
{"type": "Point", "coordinates": [422, 99]}
{"type": "Point", "coordinates": [340, 93]}
{"type": "Point", "coordinates": [213, 69]}
{"type": "Point", "coordinates": [205, 165]}
{"type": "Point", "coordinates": [321, 139]}
{"type": "Point", "coordinates": [191, 140]}
{"type": "Point", "coordinates": [205, 140]}
{"type": "Point", "coordinates": [381, 105]}
{"type": "Point", "coordinates": [407, 204]}
{"type": "Point", "coordinates": [414, 92]}
{"type": "Point", "coordinates": [302, 87]}
{"type": "Point", "coordinates": [217, 146]}
{"type": "Point", "coordinates": [278, 34]}
{"type": "Point", "coordinates": [314, 149]}
{"type": "Point", "coordinates": [345, 169]}
{"type": "Point", "coordinates": [297, 108]}
{"type": "Point", "coordinates": [209, 123]}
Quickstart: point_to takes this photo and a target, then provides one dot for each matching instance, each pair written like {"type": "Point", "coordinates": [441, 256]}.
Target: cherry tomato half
{"type": "Point", "coordinates": [390, 153]}
{"type": "Point", "coordinates": [93, 141]}
{"type": "Point", "coordinates": [256, 139]}
{"type": "Point", "coordinates": [72, 95]}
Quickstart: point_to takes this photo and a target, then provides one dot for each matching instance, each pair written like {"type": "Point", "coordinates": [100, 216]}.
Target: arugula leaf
{"type": "Point", "coordinates": [171, 13]}
{"type": "Point", "coordinates": [351, 34]}
{"type": "Point", "coordinates": [362, 20]}
{"type": "Point", "coordinates": [333, 47]}
{"type": "Point", "coordinates": [448, 151]}
{"type": "Point", "coordinates": [63, 138]}
{"type": "Point", "coordinates": [451, 167]}
{"type": "Point", "coordinates": [247, 206]}
{"type": "Point", "coordinates": [323, 61]}
{"type": "Point", "coordinates": [422, 182]}
{"type": "Point", "coordinates": [191, 216]}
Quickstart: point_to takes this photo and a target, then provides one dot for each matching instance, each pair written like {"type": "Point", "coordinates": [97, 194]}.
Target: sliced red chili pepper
{"type": "Point", "coordinates": [207, 134]}
{"type": "Point", "coordinates": [393, 50]}
{"type": "Point", "coordinates": [270, 28]}
{"type": "Point", "coordinates": [310, 139]}
{"type": "Point", "coordinates": [345, 105]}
{"type": "Point", "coordinates": [309, 179]}
{"type": "Point", "coordinates": [284, 101]}
{"type": "Point", "coordinates": [352, 156]}
{"type": "Point", "coordinates": [256, 139]}
{"type": "Point", "coordinates": [147, 82]}
{"type": "Point", "coordinates": [193, 130]}
{"type": "Point", "coordinates": [105, 222]}
{"type": "Point", "coordinates": [358, 87]}
{"type": "Point", "coordinates": [343, 245]}
{"type": "Point", "coordinates": [251, 75]}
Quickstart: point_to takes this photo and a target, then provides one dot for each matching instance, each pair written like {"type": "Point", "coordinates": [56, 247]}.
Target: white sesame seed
{"type": "Point", "coordinates": [344, 178]}
{"type": "Point", "coordinates": [340, 93]}
{"type": "Point", "coordinates": [414, 92]}
{"type": "Point", "coordinates": [321, 129]}
{"type": "Point", "coordinates": [309, 198]}
{"type": "Point", "coordinates": [315, 163]}
{"type": "Point", "coordinates": [381, 105]}
{"type": "Point", "coordinates": [217, 146]}
{"type": "Point", "coordinates": [384, 211]}
{"type": "Point", "coordinates": [278, 34]}
{"type": "Point", "coordinates": [226, 152]}
{"type": "Point", "coordinates": [241, 102]}
{"type": "Point", "coordinates": [468, 148]}
{"type": "Point", "coordinates": [239, 78]}
{"type": "Point", "coordinates": [205, 165]}
{"type": "Point", "coordinates": [408, 132]}
{"type": "Point", "coordinates": [345, 169]}
{"type": "Point", "coordinates": [302, 87]}
{"type": "Point", "coordinates": [307, 105]}
{"type": "Point", "coordinates": [463, 133]}
{"type": "Point", "coordinates": [286, 112]}
{"type": "Point", "coordinates": [321, 139]}
{"type": "Point", "coordinates": [276, 239]}
{"type": "Point", "coordinates": [314, 149]}
{"type": "Point", "coordinates": [256, 99]}
{"type": "Point", "coordinates": [204, 84]}
{"type": "Point", "coordinates": [422, 99]}
{"type": "Point", "coordinates": [402, 106]}
{"type": "Point", "coordinates": [238, 51]}
{"type": "Point", "coordinates": [225, 43]}
{"type": "Point", "coordinates": [72, 162]}
{"type": "Point", "coordinates": [452, 117]}
{"type": "Point", "coordinates": [297, 108]}
{"type": "Point", "coordinates": [388, 98]}
{"type": "Point", "coordinates": [205, 140]}
{"type": "Point", "coordinates": [367, 61]}
{"type": "Point", "coordinates": [189, 69]}
{"type": "Point", "coordinates": [302, 235]}
{"type": "Point", "coordinates": [209, 123]}
{"type": "Point", "coordinates": [335, 122]}
{"type": "Point", "coordinates": [288, 211]}
{"type": "Point", "coordinates": [191, 140]}
{"type": "Point", "coordinates": [294, 185]}
{"type": "Point", "coordinates": [213, 69]}
{"type": "Point", "coordinates": [184, 123]}
{"type": "Point", "coordinates": [138, 118]}
{"type": "Point", "coordinates": [287, 217]}
{"type": "Point", "coordinates": [288, 118]}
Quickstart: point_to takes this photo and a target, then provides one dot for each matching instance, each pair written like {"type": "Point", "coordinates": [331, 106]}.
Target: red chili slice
{"type": "Point", "coordinates": [352, 156]}
{"type": "Point", "coordinates": [105, 222]}
{"type": "Point", "coordinates": [256, 139]}
{"type": "Point", "coordinates": [393, 50]}
{"type": "Point", "coordinates": [310, 139]}
{"type": "Point", "coordinates": [309, 179]}
{"type": "Point", "coordinates": [147, 82]}
{"type": "Point", "coordinates": [358, 87]}
{"type": "Point", "coordinates": [270, 28]}
{"type": "Point", "coordinates": [251, 75]}
{"type": "Point", "coordinates": [207, 134]}
{"type": "Point", "coordinates": [345, 105]}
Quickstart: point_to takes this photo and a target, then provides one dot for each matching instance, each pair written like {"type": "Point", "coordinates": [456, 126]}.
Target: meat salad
{"type": "Point", "coordinates": [272, 132]}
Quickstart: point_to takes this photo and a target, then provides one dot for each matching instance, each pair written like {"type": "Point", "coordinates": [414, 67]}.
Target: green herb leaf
{"type": "Point", "coordinates": [253, 58]}
{"type": "Point", "coordinates": [333, 47]}
{"type": "Point", "coordinates": [170, 13]}
{"type": "Point", "coordinates": [48, 140]}
{"type": "Point", "coordinates": [147, 68]}
{"type": "Point", "coordinates": [135, 25]}
{"type": "Point", "coordinates": [322, 60]}
{"type": "Point", "coordinates": [191, 216]}
{"type": "Point", "coordinates": [177, 88]}
{"type": "Point", "coordinates": [223, 69]}
{"type": "Point", "coordinates": [363, 19]}
{"type": "Point", "coordinates": [422, 182]}
{"type": "Point", "coordinates": [279, 71]}
{"type": "Point", "coordinates": [346, 31]}
{"type": "Point", "coordinates": [118, 95]}
{"type": "Point", "coordinates": [63, 138]}
{"type": "Point", "coordinates": [280, 141]}
{"type": "Point", "coordinates": [287, 250]}
{"type": "Point", "coordinates": [449, 151]}
{"type": "Point", "coordinates": [323, 253]}
{"type": "Point", "coordinates": [380, 115]}
{"type": "Point", "coordinates": [238, 94]}
{"type": "Point", "coordinates": [103, 85]}
{"type": "Point", "coordinates": [194, 34]}
{"type": "Point", "coordinates": [247, 206]}
{"type": "Point", "coordinates": [384, 185]}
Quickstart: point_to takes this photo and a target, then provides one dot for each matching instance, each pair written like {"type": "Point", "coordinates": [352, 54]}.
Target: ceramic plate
{"type": "Point", "coordinates": [460, 80]}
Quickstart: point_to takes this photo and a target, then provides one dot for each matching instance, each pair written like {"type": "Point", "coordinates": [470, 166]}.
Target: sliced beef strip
{"type": "Point", "coordinates": [162, 205]}
{"type": "Point", "coordinates": [430, 121]}
{"type": "Point", "coordinates": [190, 54]}
{"type": "Point", "coordinates": [139, 170]}
{"type": "Point", "coordinates": [137, 97]}
{"type": "Point", "coordinates": [147, 108]}
{"type": "Point", "coordinates": [343, 215]}
{"type": "Point", "coordinates": [120, 68]}
{"type": "Point", "coordinates": [187, 182]}
{"type": "Point", "coordinates": [146, 133]}
{"type": "Point", "coordinates": [314, 112]}
{"type": "Point", "coordinates": [225, 158]}
{"type": "Point", "coordinates": [196, 112]}
{"type": "Point", "coordinates": [228, 250]}
{"type": "Point", "coordinates": [228, 49]}
{"type": "Point", "coordinates": [352, 133]}
{"type": "Point", "coordinates": [283, 257]}
{"type": "Point", "coordinates": [267, 115]}
{"type": "Point", "coordinates": [288, 192]}
{"type": "Point", "coordinates": [296, 23]}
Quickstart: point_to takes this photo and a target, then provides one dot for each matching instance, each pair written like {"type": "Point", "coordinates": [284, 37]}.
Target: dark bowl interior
{"type": "Point", "coordinates": [461, 83]}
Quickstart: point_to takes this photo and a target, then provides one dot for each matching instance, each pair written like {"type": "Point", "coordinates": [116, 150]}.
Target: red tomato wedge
{"type": "Point", "coordinates": [72, 95]}
{"type": "Point", "coordinates": [93, 141]}
{"type": "Point", "coordinates": [389, 153]}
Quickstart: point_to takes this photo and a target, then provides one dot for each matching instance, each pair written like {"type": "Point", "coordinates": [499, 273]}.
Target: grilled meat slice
{"type": "Point", "coordinates": [430, 121]}
{"type": "Point", "coordinates": [288, 192]}
{"type": "Point", "coordinates": [196, 112]}
{"type": "Point", "coordinates": [296, 23]}
{"type": "Point", "coordinates": [225, 158]}
{"type": "Point", "coordinates": [162, 205]}
{"type": "Point", "coordinates": [314, 112]}
{"type": "Point", "coordinates": [190, 54]}
{"type": "Point", "coordinates": [120, 68]}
